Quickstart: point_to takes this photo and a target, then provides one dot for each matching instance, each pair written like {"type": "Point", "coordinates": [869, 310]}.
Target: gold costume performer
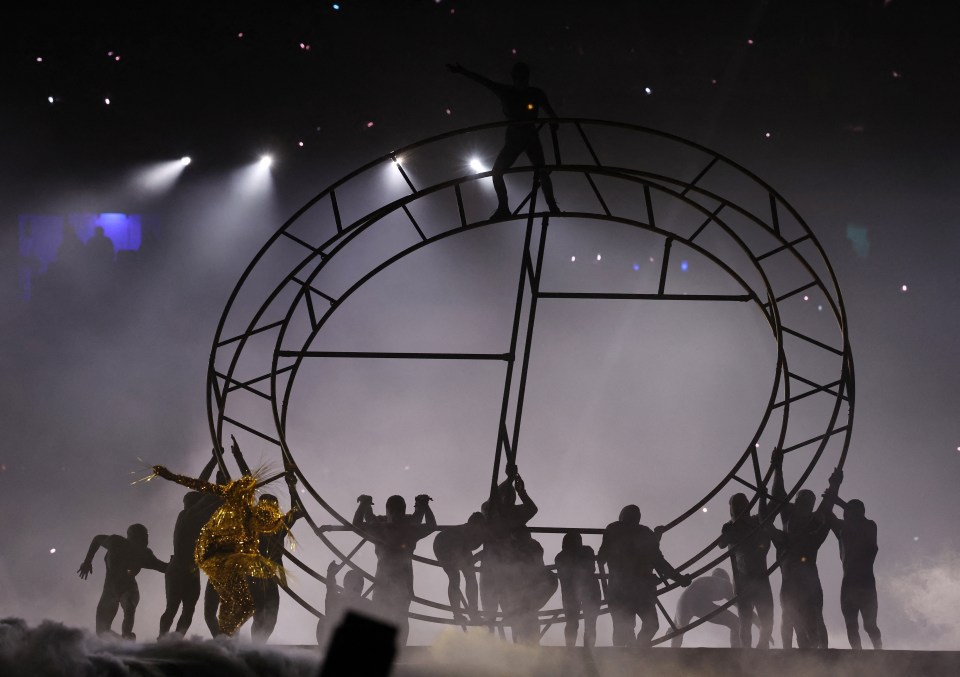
{"type": "Point", "coordinates": [228, 549]}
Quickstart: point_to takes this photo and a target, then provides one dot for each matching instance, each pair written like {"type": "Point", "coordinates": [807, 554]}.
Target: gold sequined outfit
{"type": "Point", "coordinates": [228, 551]}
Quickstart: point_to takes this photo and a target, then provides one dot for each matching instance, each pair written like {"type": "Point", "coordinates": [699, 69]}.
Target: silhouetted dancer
{"type": "Point", "coordinates": [395, 536]}
{"type": "Point", "coordinates": [698, 600]}
{"type": "Point", "coordinates": [579, 588]}
{"type": "Point", "coordinates": [513, 576]}
{"type": "Point", "coordinates": [338, 602]}
{"type": "Point", "coordinates": [228, 550]}
{"type": "Point", "coordinates": [454, 549]}
{"type": "Point", "coordinates": [125, 557]}
{"type": "Point", "coordinates": [521, 103]}
{"type": "Point", "coordinates": [632, 552]}
{"type": "Point", "coordinates": [804, 531]}
{"type": "Point", "coordinates": [748, 539]}
{"type": "Point", "coordinates": [857, 537]}
{"type": "Point", "coordinates": [182, 580]}
{"type": "Point", "coordinates": [266, 591]}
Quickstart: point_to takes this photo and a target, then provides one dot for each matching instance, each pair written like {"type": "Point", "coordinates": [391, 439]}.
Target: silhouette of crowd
{"type": "Point", "coordinates": [236, 539]}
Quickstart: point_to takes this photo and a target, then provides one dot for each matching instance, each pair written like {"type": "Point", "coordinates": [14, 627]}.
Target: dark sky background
{"type": "Point", "coordinates": [849, 109]}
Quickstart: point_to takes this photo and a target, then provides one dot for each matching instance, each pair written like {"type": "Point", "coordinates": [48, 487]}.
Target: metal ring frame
{"type": "Point", "coordinates": [771, 215]}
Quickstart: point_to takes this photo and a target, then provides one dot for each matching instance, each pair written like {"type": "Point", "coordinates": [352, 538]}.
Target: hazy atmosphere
{"type": "Point", "coordinates": [847, 109]}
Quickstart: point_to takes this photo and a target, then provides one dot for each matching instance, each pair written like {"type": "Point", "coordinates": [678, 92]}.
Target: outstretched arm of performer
{"type": "Point", "coordinates": [153, 562]}
{"type": "Point", "coordinates": [208, 469]}
{"type": "Point", "coordinates": [86, 567]}
{"type": "Point", "coordinates": [238, 456]}
{"type": "Point", "coordinates": [457, 69]}
{"type": "Point", "coordinates": [666, 570]}
{"type": "Point", "coordinates": [189, 482]}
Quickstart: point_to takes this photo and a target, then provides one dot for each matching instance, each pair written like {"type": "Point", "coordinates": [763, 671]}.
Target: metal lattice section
{"type": "Point", "coordinates": [656, 171]}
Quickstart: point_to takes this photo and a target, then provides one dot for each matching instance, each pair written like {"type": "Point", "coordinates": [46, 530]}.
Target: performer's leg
{"type": "Point", "coordinates": [211, 604]}
{"type": "Point", "coordinates": [128, 602]}
{"type": "Point", "coordinates": [868, 607]}
{"type": "Point", "coordinates": [534, 151]}
{"type": "Point", "coordinates": [191, 593]}
{"type": "Point", "coordinates": [107, 609]}
{"type": "Point", "coordinates": [681, 619]}
{"type": "Point", "coordinates": [649, 621]}
{"type": "Point", "coordinates": [172, 588]}
{"type": "Point", "coordinates": [512, 147]}
{"type": "Point", "coordinates": [267, 609]}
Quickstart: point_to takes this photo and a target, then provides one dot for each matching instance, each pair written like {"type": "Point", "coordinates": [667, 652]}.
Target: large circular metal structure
{"type": "Point", "coordinates": [685, 196]}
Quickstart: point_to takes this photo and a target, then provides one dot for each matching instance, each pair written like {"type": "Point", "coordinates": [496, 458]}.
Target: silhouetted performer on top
{"type": "Point", "coordinates": [698, 601]}
{"type": "Point", "coordinates": [521, 103]}
{"type": "Point", "coordinates": [182, 580]}
{"type": "Point", "coordinates": [579, 588]}
{"type": "Point", "coordinates": [748, 540]}
{"type": "Point", "coordinates": [454, 549]}
{"type": "Point", "coordinates": [632, 551]}
{"type": "Point", "coordinates": [513, 577]}
{"type": "Point", "coordinates": [395, 536]}
{"type": "Point", "coordinates": [125, 557]}
{"type": "Point", "coordinates": [266, 591]}
{"type": "Point", "coordinates": [339, 602]}
{"type": "Point", "coordinates": [804, 531]}
{"type": "Point", "coordinates": [857, 537]}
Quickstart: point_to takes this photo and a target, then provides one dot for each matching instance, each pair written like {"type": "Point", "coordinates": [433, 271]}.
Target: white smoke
{"type": "Point", "coordinates": [53, 649]}
{"type": "Point", "coordinates": [929, 593]}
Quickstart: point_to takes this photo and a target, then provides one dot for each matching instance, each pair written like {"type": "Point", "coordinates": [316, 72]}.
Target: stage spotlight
{"type": "Point", "coordinates": [266, 160]}
{"type": "Point", "coordinates": [185, 160]}
{"type": "Point", "coordinates": [160, 176]}
{"type": "Point", "coordinates": [477, 166]}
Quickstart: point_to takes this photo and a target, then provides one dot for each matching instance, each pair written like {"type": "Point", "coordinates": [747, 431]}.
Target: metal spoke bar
{"type": "Point", "coordinates": [814, 385]}
{"type": "Point", "coordinates": [395, 356]}
{"type": "Point", "coordinates": [238, 384]}
{"type": "Point", "coordinates": [304, 243]}
{"type": "Point", "coordinates": [816, 439]}
{"type": "Point", "coordinates": [254, 431]}
{"type": "Point", "coordinates": [596, 191]}
{"type": "Point", "coordinates": [645, 297]}
{"type": "Point", "coordinates": [301, 601]}
{"type": "Point", "coordinates": [755, 457]}
{"type": "Point", "coordinates": [528, 342]}
{"type": "Point", "coordinates": [336, 210]}
{"type": "Point", "coordinates": [812, 391]}
{"type": "Point", "coordinates": [310, 287]}
{"type": "Point", "coordinates": [266, 376]}
{"type": "Point", "coordinates": [774, 217]}
{"type": "Point", "coordinates": [753, 488]}
{"type": "Point", "coordinates": [250, 333]}
{"type": "Point", "coordinates": [710, 219]}
{"type": "Point", "coordinates": [414, 222]}
{"type": "Point", "coordinates": [549, 622]}
{"type": "Point", "coordinates": [811, 340]}
{"type": "Point", "coordinates": [665, 614]}
{"type": "Point", "coordinates": [404, 175]}
{"type": "Point", "coordinates": [794, 292]}
{"type": "Point", "coordinates": [664, 264]}
{"type": "Point", "coordinates": [700, 175]}
{"type": "Point", "coordinates": [586, 141]}
{"type": "Point", "coordinates": [463, 214]}
{"type": "Point", "coordinates": [514, 337]}
{"type": "Point", "coordinates": [783, 247]}
{"type": "Point", "coordinates": [311, 311]}
{"type": "Point", "coordinates": [649, 200]}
